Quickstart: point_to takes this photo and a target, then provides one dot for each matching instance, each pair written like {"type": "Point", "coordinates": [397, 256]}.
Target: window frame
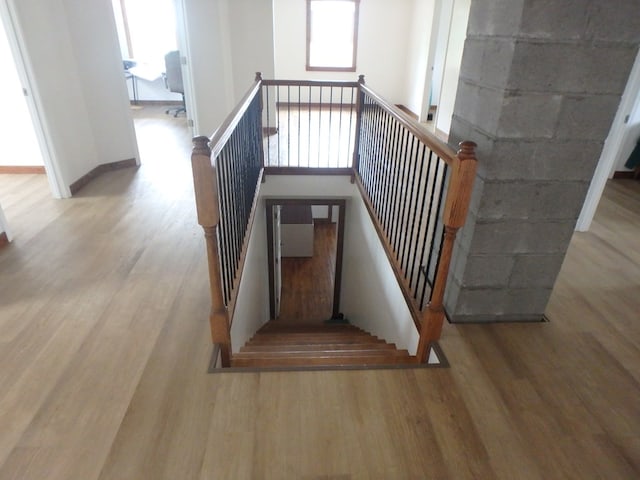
{"type": "Point", "coordinates": [356, 18]}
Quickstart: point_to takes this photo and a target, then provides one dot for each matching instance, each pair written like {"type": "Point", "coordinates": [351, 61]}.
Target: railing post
{"type": "Point", "coordinates": [463, 173]}
{"type": "Point", "coordinates": [205, 181]}
{"type": "Point", "coordinates": [356, 143]}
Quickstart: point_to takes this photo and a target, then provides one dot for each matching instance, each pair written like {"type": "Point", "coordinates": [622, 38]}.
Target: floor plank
{"type": "Point", "coordinates": [104, 346]}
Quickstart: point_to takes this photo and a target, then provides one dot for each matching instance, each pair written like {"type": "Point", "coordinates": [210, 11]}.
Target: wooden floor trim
{"type": "Point", "coordinates": [619, 174]}
{"type": "Point", "coordinates": [22, 169]}
{"type": "Point", "coordinates": [76, 186]}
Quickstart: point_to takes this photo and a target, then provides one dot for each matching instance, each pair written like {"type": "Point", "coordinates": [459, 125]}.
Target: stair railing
{"type": "Point", "coordinates": [416, 188]}
{"type": "Point", "coordinates": [417, 191]}
{"type": "Point", "coordinates": [227, 171]}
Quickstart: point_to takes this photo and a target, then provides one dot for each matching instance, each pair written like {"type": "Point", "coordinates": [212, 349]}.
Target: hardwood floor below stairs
{"type": "Point", "coordinates": [295, 345]}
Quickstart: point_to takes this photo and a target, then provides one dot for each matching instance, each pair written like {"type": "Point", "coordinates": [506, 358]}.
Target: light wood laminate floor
{"type": "Point", "coordinates": [104, 346]}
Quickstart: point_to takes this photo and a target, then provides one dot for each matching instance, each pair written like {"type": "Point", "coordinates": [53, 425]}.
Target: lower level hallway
{"type": "Point", "coordinates": [307, 282]}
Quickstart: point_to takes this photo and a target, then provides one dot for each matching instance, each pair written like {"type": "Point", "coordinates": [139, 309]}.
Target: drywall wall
{"type": "Point", "coordinates": [96, 51]}
{"type": "Point", "coordinates": [252, 311]}
{"type": "Point", "coordinates": [4, 227]}
{"type": "Point", "coordinates": [71, 50]}
{"type": "Point", "coordinates": [455, 47]}
{"type": "Point", "coordinates": [371, 297]}
{"type": "Point", "coordinates": [251, 40]}
{"type": "Point", "coordinates": [382, 45]}
{"type": "Point", "coordinates": [21, 147]}
{"type": "Point", "coordinates": [418, 54]}
{"type": "Point", "coordinates": [207, 36]}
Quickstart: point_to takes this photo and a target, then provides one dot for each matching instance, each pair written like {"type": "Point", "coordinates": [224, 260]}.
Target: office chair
{"type": "Point", "coordinates": [173, 79]}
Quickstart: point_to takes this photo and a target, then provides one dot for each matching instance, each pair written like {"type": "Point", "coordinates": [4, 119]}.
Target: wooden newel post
{"type": "Point", "coordinates": [205, 182]}
{"type": "Point", "coordinates": [463, 173]}
{"type": "Point", "coordinates": [356, 143]}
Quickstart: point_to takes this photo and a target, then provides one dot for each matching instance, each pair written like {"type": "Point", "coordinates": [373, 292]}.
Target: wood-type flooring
{"type": "Point", "coordinates": [104, 347]}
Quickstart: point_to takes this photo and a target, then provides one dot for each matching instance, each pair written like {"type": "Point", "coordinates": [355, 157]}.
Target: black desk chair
{"type": "Point", "coordinates": [173, 79]}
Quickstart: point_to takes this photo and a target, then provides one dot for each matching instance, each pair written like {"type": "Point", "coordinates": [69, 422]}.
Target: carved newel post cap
{"type": "Point", "coordinates": [258, 76]}
{"type": "Point", "coordinates": [201, 145]}
{"type": "Point", "coordinates": [361, 79]}
{"type": "Point", "coordinates": [467, 150]}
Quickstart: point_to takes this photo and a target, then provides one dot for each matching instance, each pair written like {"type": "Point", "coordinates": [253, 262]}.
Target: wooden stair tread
{"type": "Point", "coordinates": [307, 327]}
{"type": "Point", "coordinates": [320, 353]}
{"type": "Point", "coordinates": [279, 344]}
{"type": "Point", "coordinates": [311, 340]}
{"type": "Point", "coordinates": [283, 347]}
{"type": "Point", "coordinates": [324, 361]}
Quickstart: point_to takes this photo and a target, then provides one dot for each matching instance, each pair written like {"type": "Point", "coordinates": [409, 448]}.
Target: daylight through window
{"type": "Point", "coordinates": [332, 33]}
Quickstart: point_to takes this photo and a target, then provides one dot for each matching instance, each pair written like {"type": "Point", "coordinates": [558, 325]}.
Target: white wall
{"type": "Point", "coordinates": [457, 36]}
{"type": "Point", "coordinates": [21, 147]}
{"type": "Point", "coordinates": [4, 227]}
{"type": "Point", "coordinates": [383, 42]}
{"type": "Point", "coordinates": [208, 44]}
{"type": "Point", "coordinates": [71, 50]}
{"type": "Point", "coordinates": [253, 309]}
{"type": "Point", "coordinates": [251, 41]}
{"type": "Point", "coordinates": [371, 297]}
{"type": "Point", "coordinates": [418, 54]}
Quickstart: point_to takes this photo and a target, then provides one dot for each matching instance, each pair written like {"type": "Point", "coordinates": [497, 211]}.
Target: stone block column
{"type": "Point", "coordinates": [539, 86]}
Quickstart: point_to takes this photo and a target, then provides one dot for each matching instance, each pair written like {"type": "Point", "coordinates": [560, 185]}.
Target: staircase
{"type": "Point", "coordinates": [279, 344]}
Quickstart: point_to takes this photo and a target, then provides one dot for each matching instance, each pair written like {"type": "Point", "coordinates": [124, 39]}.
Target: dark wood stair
{"type": "Point", "coordinates": [279, 344]}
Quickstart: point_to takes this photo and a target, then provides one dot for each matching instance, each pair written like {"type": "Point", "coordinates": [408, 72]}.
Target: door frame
{"type": "Point", "coordinates": [629, 101]}
{"type": "Point", "coordinates": [337, 280]}
{"type": "Point", "coordinates": [34, 103]}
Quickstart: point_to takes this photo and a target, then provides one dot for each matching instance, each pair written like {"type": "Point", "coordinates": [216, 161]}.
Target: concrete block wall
{"type": "Point", "coordinates": [539, 86]}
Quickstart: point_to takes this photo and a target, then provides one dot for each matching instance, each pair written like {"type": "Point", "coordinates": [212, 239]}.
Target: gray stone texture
{"type": "Point", "coordinates": [535, 270]}
{"type": "Point", "coordinates": [540, 84]}
{"type": "Point", "coordinates": [587, 117]}
{"type": "Point", "coordinates": [570, 68]}
{"type": "Point", "coordinates": [528, 115]}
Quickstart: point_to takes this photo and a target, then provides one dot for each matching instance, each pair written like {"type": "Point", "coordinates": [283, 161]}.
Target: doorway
{"type": "Point", "coordinates": [153, 46]}
{"type": "Point", "coordinates": [26, 148]}
{"type": "Point", "coordinates": [305, 248]}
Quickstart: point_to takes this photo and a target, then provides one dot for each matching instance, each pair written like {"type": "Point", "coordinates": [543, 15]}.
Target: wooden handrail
{"type": "Point", "coordinates": [463, 172]}
{"type": "Point", "coordinates": [220, 137]}
{"type": "Point", "coordinates": [205, 183]}
{"type": "Point", "coordinates": [309, 83]}
{"type": "Point", "coordinates": [440, 148]}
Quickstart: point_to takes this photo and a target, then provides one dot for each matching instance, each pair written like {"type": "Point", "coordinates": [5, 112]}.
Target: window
{"type": "Point", "coordinates": [332, 35]}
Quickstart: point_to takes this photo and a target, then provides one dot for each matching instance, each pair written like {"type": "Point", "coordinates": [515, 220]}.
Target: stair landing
{"type": "Point", "coordinates": [296, 345]}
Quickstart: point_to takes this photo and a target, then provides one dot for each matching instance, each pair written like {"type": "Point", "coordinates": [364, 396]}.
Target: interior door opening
{"type": "Point", "coordinates": [305, 246]}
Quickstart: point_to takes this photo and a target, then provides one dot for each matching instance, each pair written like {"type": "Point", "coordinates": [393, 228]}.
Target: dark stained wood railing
{"type": "Point", "coordinates": [309, 123]}
{"type": "Point", "coordinates": [416, 188]}
{"type": "Point", "coordinates": [227, 170]}
{"type": "Point", "coordinates": [417, 191]}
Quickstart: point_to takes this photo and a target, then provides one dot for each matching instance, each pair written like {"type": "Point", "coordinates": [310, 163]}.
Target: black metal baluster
{"type": "Point", "coordinates": [299, 118]}
{"type": "Point", "coordinates": [393, 163]}
{"type": "Point", "coordinates": [352, 132]}
{"type": "Point", "coordinates": [424, 217]}
{"type": "Point", "coordinates": [379, 144]}
{"type": "Point", "coordinates": [401, 189]}
{"type": "Point", "coordinates": [431, 227]}
{"type": "Point", "coordinates": [268, 131]}
{"type": "Point", "coordinates": [319, 124]}
{"type": "Point", "coordinates": [340, 133]}
{"type": "Point", "coordinates": [415, 240]}
{"type": "Point", "coordinates": [289, 125]}
{"type": "Point", "coordinates": [408, 202]}
{"type": "Point", "coordinates": [277, 87]}
{"type": "Point", "coordinates": [309, 137]}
